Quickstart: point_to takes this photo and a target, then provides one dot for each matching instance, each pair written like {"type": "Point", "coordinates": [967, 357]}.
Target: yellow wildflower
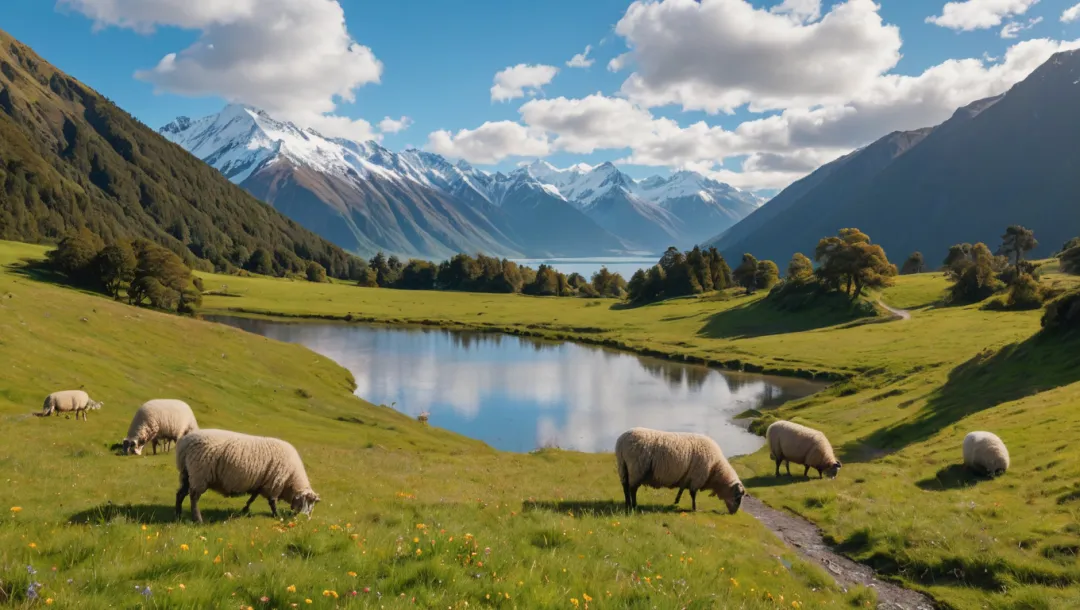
{"type": "Point", "coordinates": [307, 601]}
{"type": "Point", "coordinates": [420, 526]}
{"type": "Point", "coordinates": [734, 582]}
{"type": "Point", "coordinates": [419, 552]}
{"type": "Point", "coordinates": [184, 547]}
{"type": "Point", "coordinates": [16, 509]}
{"type": "Point", "coordinates": [416, 540]}
{"type": "Point", "coordinates": [291, 588]}
{"type": "Point", "coordinates": [182, 587]}
{"type": "Point", "coordinates": [574, 602]}
{"type": "Point", "coordinates": [353, 574]}
{"type": "Point", "coordinates": [143, 528]}
{"type": "Point", "coordinates": [585, 596]}
{"type": "Point", "coordinates": [48, 601]}
{"type": "Point", "coordinates": [217, 559]}
{"type": "Point", "coordinates": [794, 604]}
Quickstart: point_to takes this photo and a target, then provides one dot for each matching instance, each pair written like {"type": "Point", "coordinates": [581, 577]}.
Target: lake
{"type": "Point", "coordinates": [623, 265]}
{"type": "Point", "coordinates": [518, 394]}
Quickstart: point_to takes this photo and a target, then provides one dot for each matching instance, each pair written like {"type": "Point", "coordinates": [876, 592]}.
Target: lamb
{"type": "Point", "coordinates": [985, 453]}
{"type": "Point", "coordinates": [675, 460]}
{"type": "Point", "coordinates": [163, 420]}
{"type": "Point", "coordinates": [69, 400]}
{"type": "Point", "coordinates": [790, 442]}
{"type": "Point", "coordinates": [234, 464]}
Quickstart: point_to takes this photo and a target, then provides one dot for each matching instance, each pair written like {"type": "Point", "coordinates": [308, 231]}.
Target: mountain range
{"type": "Point", "coordinates": [365, 197]}
{"type": "Point", "coordinates": [1005, 160]}
{"type": "Point", "coordinates": [69, 159]}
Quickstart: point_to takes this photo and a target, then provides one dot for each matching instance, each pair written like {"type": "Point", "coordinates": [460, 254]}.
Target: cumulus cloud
{"type": "Point", "coordinates": [517, 81]}
{"type": "Point", "coordinates": [293, 58]}
{"type": "Point", "coordinates": [979, 14]}
{"type": "Point", "coordinates": [581, 60]}
{"type": "Point", "coordinates": [718, 55]}
{"type": "Point", "coordinates": [389, 125]}
{"type": "Point", "coordinates": [1071, 14]}
{"type": "Point", "coordinates": [1013, 28]}
{"type": "Point", "coordinates": [489, 143]}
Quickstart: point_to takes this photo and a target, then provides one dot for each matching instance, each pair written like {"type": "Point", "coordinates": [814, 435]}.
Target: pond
{"type": "Point", "coordinates": [519, 394]}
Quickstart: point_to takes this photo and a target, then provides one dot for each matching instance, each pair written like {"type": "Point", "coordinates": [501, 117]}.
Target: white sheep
{"type": "Point", "coordinates": [233, 464]}
{"type": "Point", "coordinates": [160, 420]}
{"type": "Point", "coordinates": [671, 460]}
{"type": "Point", "coordinates": [69, 400]}
{"type": "Point", "coordinates": [790, 442]}
{"type": "Point", "coordinates": [985, 453]}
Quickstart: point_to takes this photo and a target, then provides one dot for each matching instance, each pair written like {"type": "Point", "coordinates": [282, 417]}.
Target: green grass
{"type": "Point", "coordinates": [913, 390]}
{"type": "Point", "coordinates": [408, 511]}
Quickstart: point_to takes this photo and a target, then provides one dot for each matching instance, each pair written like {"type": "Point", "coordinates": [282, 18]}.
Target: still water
{"type": "Point", "coordinates": [518, 394]}
{"type": "Point", "coordinates": [623, 265]}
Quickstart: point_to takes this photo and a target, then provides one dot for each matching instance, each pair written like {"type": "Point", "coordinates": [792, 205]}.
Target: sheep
{"type": "Point", "coordinates": [790, 442]}
{"type": "Point", "coordinates": [675, 460]}
{"type": "Point", "coordinates": [985, 453]}
{"type": "Point", "coordinates": [163, 420]}
{"type": "Point", "coordinates": [234, 464]}
{"type": "Point", "coordinates": [69, 400]}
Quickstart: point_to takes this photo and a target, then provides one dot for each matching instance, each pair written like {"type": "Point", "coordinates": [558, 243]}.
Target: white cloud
{"type": "Point", "coordinates": [293, 58]}
{"type": "Point", "coordinates": [801, 11]}
{"type": "Point", "coordinates": [718, 55]}
{"type": "Point", "coordinates": [979, 14]}
{"type": "Point", "coordinates": [581, 60]}
{"type": "Point", "coordinates": [619, 62]}
{"type": "Point", "coordinates": [516, 81]}
{"type": "Point", "coordinates": [489, 143]}
{"type": "Point", "coordinates": [1071, 14]}
{"type": "Point", "coordinates": [1012, 29]}
{"type": "Point", "coordinates": [389, 125]}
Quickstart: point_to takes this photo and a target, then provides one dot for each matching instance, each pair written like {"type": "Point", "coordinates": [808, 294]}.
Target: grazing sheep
{"type": "Point", "coordinates": [69, 400]}
{"type": "Point", "coordinates": [985, 453]}
{"type": "Point", "coordinates": [234, 464]}
{"type": "Point", "coordinates": [160, 420]}
{"type": "Point", "coordinates": [675, 460]}
{"type": "Point", "coordinates": [790, 442]}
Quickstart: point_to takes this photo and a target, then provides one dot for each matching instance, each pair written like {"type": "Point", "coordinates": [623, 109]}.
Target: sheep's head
{"type": "Point", "coordinates": [133, 446]}
{"type": "Point", "coordinates": [731, 493]}
{"type": "Point", "coordinates": [304, 502]}
{"type": "Point", "coordinates": [833, 470]}
{"type": "Point", "coordinates": [95, 404]}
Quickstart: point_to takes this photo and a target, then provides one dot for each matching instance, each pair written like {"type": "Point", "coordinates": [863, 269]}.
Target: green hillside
{"type": "Point", "coordinates": [411, 516]}
{"type": "Point", "coordinates": [69, 158]}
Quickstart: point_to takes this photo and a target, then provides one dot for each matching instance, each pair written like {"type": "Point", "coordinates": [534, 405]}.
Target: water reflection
{"type": "Point", "coordinates": [518, 394]}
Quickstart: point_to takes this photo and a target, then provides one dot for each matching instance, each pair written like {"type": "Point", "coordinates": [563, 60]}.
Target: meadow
{"type": "Point", "coordinates": [411, 516]}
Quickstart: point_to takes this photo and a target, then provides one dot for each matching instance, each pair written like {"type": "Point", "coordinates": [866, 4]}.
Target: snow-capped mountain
{"type": "Point", "coordinates": [365, 197]}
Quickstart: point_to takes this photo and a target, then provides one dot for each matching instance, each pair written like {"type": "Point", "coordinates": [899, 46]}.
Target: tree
{"type": "Point", "coordinates": [700, 267]}
{"type": "Point", "coordinates": [745, 274]}
{"type": "Point", "coordinates": [546, 282]}
{"type": "Point", "coordinates": [418, 275]}
{"type": "Point", "coordinates": [655, 281]}
{"type": "Point", "coordinates": [75, 253]}
{"type": "Point", "coordinates": [956, 259]}
{"type": "Point", "coordinates": [800, 270]}
{"type": "Point", "coordinates": [1070, 260]}
{"type": "Point", "coordinates": [1025, 293]}
{"type": "Point", "coordinates": [315, 272]}
{"type": "Point", "coordinates": [1018, 241]}
{"type": "Point", "coordinates": [851, 262]}
{"type": "Point", "coordinates": [115, 266]}
{"type": "Point", "coordinates": [261, 262]}
{"type": "Point", "coordinates": [870, 268]}
{"type": "Point", "coordinates": [608, 284]}
{"type": "Point", "coordinates": [974, 278]}
{"type": "Point", "coordinates": [681, 280]}
{"type": "Point", "coordinates": [766, 275]}
{"type": "Point", "coordinates": [635, 288]}
{"type": "Point", "coordinates": [577, 281]}
{"type": "Point", "coordinates": [1072, 243]}
{"type": "Point", "coordinates": [721, 272]}
{"type": "Point", "coordinates": [913, 264]}
{"type": "Point", "coordinates": [162, 279]}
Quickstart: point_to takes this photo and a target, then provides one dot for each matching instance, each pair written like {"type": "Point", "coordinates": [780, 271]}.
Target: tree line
{"type": "Point", "coordinates": [481, 273]}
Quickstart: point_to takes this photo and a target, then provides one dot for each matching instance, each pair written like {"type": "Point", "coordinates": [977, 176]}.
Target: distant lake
{"type": "Point", "coordinates": [518, 394]}
{"type": "Point", "coordinates": [623, 265]}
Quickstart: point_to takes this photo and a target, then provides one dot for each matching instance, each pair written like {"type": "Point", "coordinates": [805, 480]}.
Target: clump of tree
{"type": "Point", "coordinates": [800, 269]}
{"type": "Point", "coordinates": [914, 264]}
{"type": "Point", "coordinates": [679, 273]}
{"type": "Point", "coordinates": [978, 274]}
{"type": "Point", "coordinates": [152, 275]}
{"type": "Point", "coordinates": [1016, 242]}
{"type": "Point", "coordinates": [973, 271]}
{"type": "Point", "coordinates": [850, 262]}
{"type": "Point", "coordinates": [1063, 314]}
{"type": "Point", "coordinates": [1069, 257]}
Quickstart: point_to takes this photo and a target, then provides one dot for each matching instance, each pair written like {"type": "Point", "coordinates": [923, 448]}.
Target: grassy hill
{"type": "Point", "coordinates": [408, 512]}
{"type": "Point", "coordinates": [913, 389]}
{"type": "Point", "coordinates": [70, 158]}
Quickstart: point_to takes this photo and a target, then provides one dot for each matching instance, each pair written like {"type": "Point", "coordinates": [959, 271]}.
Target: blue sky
{"type": "Point", "coordinates": [439, 59]}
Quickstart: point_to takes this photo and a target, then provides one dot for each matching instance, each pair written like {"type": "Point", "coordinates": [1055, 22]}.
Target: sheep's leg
{"type": "Point", "coordinates": [788, 466]}
{"type": "Point", "coordinates": [778, 466]}
{"type": "Point", "coordinates": [181, 493]}
{"type": "Point", "coordinates": [693, 500]}
{"type": "Point", "coordinates": [273, 506]}
{"type": "Point", "coordinates": [154, 444]}
{"type": "Point", "coordinates": [247, 507]}
{"type": "Point", "coordinates": [820, 474]}
{"type": "Point", "coordinates": [806, 473]}
{"type": "Point", "coordinates": [633, 496]}
{"type": "Point", "coordinates": [626, 495]}
{"type": "Point", "coordinates": [195, 514]}
{"type": "Point", "coordinates": [678, 496]}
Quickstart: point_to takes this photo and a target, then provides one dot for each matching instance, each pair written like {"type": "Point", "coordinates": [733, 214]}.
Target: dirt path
{"type": "Point", "coordinates": [901, 314]}
{"type": "Point", "coordinates": [805, 538]}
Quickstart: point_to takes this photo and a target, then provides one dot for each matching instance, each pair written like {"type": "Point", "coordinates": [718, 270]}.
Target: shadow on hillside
{"type": "Point", "coordinates": [761, 318]}
{"type": "Point", "coordinates": [148, 514]}
{"type": "Point", "coordinates": [954, 476]}
{"type": "Point", "coordinates": [40, 271]}
{"type": "Point", "coordinates": [606, 508]}
{"type": "Point", "coordinates": [1039, 364]}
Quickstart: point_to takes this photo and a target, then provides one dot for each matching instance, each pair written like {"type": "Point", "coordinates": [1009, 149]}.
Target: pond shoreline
{"type": "Point", "coordinates": [581, 335]}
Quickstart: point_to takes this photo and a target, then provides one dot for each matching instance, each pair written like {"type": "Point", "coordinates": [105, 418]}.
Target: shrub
{"type": "Point", "coordinates": [1063, 313]}
{"type": "Point", "coordinates": [1025, 293]}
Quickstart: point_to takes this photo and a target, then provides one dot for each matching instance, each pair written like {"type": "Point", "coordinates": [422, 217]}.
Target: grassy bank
{"type": "Point", "coordinates": [913, 389]}
{"type": "Point", "coordinates": [408, 512]}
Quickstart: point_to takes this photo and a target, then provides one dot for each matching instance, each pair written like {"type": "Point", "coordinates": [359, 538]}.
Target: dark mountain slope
{"type": "Point", "coordinates": [1014, 159]}
{"type": "Point", "coordinates": [70, 158]}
